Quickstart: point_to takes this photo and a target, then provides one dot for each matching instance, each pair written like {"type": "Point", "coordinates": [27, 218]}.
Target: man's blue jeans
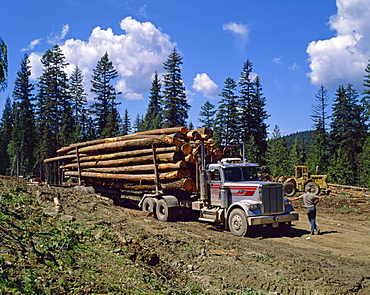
{"type": "Point", "coordinates": [311, 214]}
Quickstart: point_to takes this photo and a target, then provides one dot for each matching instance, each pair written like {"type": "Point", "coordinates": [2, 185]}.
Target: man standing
{"type": "Point", "coordinates": [310, 201]}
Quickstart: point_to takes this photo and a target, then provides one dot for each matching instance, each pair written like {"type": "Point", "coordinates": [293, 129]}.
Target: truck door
{"type": "Point", "coordinates": [214, 179]}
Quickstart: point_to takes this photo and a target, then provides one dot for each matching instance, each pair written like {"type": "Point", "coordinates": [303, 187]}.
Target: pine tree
{"type": "Point", "coordinates": [175, 105]}
{"type": "Point", "coordinates": [298, 153]}
{"type": "Point", "coordinates": [348, 132]}
{"type": "Point", "coordinates": [3, 65]}
{"type": "Point", "coordinates": [138, 124]}
{"type": "Point", "coordinates": [365, 164]}
{"type": "Point", "coordinates": [366, 92]}
{"type": "Point", "coordinates": [278, 157]}
{"type": "Point", "coordinates": [126, 124]}
{"type": "Point", "coordinates": [207, 114]}
{"type": "Point", "coordinates": [22, 146]}
{"type": "Point", "coordinates": [54, 112]}
{"type": "Point", "coordinates": [246, 97]}
{"type": "Point", "coordinates": [105, 106]}
{"type": "Point", "coordinates": [226, 123]}
{"type": "Point", "coordinates": [251, 150]}
{"type": "Point", "coordinates": [6, 127]}
{"type": "Point", "coordinates": [79, 103]}
{"type": "Point", "coordinates": [153, 117]}
{"type": "Point", "coordinates": [258, 125]}
{"type": "Point", "coordinates": [319, 152]}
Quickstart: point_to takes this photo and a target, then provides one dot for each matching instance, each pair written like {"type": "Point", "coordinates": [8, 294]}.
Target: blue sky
{"type": "Point", "coordinates": [294, 46]}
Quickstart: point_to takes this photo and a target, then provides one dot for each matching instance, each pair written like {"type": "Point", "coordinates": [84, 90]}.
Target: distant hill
{"type": "Point", "coordinates": [303, 136]}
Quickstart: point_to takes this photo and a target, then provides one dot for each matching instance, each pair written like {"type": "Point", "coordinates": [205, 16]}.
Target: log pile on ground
{"type": "Point", "coordinates": [163, 159]}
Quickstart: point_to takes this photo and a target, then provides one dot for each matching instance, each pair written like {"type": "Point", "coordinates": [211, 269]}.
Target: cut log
{"type": "Point", "coordinates": [185, 148]}
{"type": "Point", "coordinates": [139, 168]}
{"type": "Point", "coordinates": [185, 184]}
{"type": "Point", "coordinates": [130, 177]}
{"type": "Point", "coordinates": [205, 132]}
{"type": "Point", "coordinates": [62, 158]}
{"type": "Point", "coordinates": [137, 135]}
{"type": "Point", "coordinates": [169, 157]}
{"type": "Point", "coordinates": [130, 154]}
{"type": "Point", "coordinates": [133, 144]}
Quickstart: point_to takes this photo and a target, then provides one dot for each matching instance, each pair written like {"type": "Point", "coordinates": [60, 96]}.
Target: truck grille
{"type": "Point", "coordinates": [272, 198]}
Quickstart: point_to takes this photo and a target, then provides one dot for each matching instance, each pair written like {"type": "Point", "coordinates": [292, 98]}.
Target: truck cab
{"type": "Point", "coordinates": [236, 197]}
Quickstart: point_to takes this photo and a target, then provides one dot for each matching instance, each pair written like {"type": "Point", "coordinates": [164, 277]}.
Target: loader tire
{"type": "Point", "coordinates": [289, 189]}
{"type": "Point", "coordinates": [315, 188]}
{"type": "Point", "coordinates": [238, 224]}
{"type": "Point", "coordinates": [163, 212]}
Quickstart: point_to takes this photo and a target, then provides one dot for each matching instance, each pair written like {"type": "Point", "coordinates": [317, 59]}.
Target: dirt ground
{"type": "Point", "coordinates": [335, 262]}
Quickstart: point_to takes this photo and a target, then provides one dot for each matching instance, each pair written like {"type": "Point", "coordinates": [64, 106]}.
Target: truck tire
{"type": "Point", "coordinates": [149, 205]}
{"type": "Point", "coordinates": [289, 189]}
{"type": "Point", "coordinates": [238, 224]}
{"type": "Point", "coordinates": [315, 188]}
{"type": "Point", "coordinates": [163, 212]}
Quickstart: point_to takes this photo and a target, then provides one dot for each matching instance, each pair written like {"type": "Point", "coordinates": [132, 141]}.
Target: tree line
{"type": "Point", "coordinates": [41, 118]}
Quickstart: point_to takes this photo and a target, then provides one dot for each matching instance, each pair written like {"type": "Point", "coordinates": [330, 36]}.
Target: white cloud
{"type": "Point", "coordinates": [277, 60]}
{"type": "Point", "coordinates": [136, 55]}
{"type": "Point", "coordinates": [32, 45]}
{"type": "Point", "coordinates": [343, 58]}
{"type": "Point", "coordinates": [239, 30]}
{"type": "Point", "coordinates": [57, 38]}
{"type": "Point", "coordinates": [294, 67]}
{"type": "Point", "coordinates": [203, 84]}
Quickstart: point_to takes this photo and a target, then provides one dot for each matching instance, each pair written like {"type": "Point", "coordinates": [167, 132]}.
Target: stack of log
{"type": "Point", "coordinates": [161, 159]}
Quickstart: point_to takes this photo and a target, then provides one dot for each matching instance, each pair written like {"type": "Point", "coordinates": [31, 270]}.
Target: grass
{"type": "Point", "coordinates": [40, 254]}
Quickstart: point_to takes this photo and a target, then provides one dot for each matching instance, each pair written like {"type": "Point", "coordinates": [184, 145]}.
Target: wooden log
{"type": "Point", "coordinates": [129, 154]}
{"type": "Point", "coordinates": [181, 130]}
{"type": "Point", "coordinates": [133, 144]}
{"type": "Point", "coordinates": [139, 168]}
{"type": "Point", "coordinates": [205, 132]}
{"type": "Point", "coordinates": [184, 184]}
{"type": "Point", "coordinates": [61, 158]}
{"type": "Point", "coordinates": [137, 135]}
{"type": "Point", "coordinates": [169, 157]}
{"type": "Point", "coordinates": [185, 148]}
{"type": "Point", "coordinates": [193, 135]}
{"type": "Point", "coordinates": [190, 158]}
{"type": "Point", "coordinates": [165, 176]}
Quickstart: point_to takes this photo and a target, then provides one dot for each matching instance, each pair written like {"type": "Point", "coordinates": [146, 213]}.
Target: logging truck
{"type": "Point", "coordinates": [230, 193]}
{"type": "Point", "coordinates": [173, 173]}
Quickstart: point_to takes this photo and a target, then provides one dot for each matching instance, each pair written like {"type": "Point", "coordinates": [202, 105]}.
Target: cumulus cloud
{"type": "Point", "coordinates": [135, 54]}
{"type": "Point", "coordinates": [239, 30]}
{"type": "Point", "coordinates": [203, 84]}
{"type": "Point", "coordinates": [343, 58]}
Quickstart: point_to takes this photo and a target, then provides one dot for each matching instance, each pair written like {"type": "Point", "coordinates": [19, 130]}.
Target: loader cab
{"type": "Point", "coordinates": [301, 172]}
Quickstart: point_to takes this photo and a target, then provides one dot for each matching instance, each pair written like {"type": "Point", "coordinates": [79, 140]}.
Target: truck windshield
{"type": "Point", "coordinates": [241, 173]}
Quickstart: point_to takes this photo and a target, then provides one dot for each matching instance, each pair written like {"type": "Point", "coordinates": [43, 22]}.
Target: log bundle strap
{"type": "Point", "coordinates": [144, 161]}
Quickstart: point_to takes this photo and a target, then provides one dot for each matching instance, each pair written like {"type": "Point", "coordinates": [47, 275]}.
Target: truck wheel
{"type": "Point", "coordinates": [289, 189]}
{"type": "Point", "coordinates": [315, 189]}
{"type": "Point", "coordinates": [163, 212]}
{"type": "Point", "coordinates": [238, 224]}
{"type": "Point", "coordinates": [149, 205]}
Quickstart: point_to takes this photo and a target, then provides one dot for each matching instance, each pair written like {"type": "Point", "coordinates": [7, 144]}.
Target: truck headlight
{"type": "Point", "coordinates": [254, 207]}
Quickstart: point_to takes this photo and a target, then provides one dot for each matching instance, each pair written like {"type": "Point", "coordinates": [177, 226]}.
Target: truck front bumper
{"type": "Point", "coordinates": [272, 219]}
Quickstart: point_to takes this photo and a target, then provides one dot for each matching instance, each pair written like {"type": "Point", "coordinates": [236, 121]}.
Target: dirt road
{"type": "Point", "coordinates": [336, 262]}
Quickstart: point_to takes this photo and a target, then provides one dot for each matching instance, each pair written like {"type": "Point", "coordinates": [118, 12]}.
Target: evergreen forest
{"type": "Point", "coordinates": [54, 112]}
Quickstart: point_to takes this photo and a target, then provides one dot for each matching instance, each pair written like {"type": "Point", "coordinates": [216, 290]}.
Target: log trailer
{"type": "Point", "coordinates": [173, 172]}
{"type": "Point", "coordinates": [230, 193]}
